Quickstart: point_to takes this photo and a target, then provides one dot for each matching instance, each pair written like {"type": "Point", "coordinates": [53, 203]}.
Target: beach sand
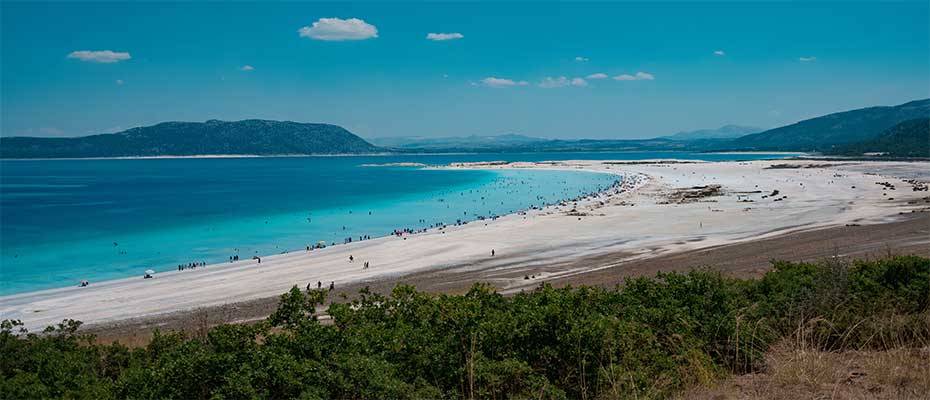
{"type": "Point", "coordinates": [659, 214]}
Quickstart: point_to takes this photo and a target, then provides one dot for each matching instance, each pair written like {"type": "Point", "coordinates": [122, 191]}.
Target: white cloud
{"type": "Point", "coordinates": [599, 75]}
{"type": "Point", "coordinates": [639, 76]}
{"type": "Point", "coordinates": [247, 68]}
{"type": "Point", "coordinates": [551, 83]}
{"type": "Point", "coordinates": [720, 53]}
{"type": "Point", "coordinates": [444, 36]}
{"type": "Point", "coordinates": [100, 56]}
{"type": "Point", "coordinates": [582, 59]}
{"type": "Point", "coordinates": [119, 82]}
{"type": "Point", "coordinates": [336, 29]}
{"type": "Point", "coordinates": [501, 82]}
{"type": "Point", "coordinates": [807, 59]}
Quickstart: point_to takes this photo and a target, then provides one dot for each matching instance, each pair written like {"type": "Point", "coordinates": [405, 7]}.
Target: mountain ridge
{"type": "Point", "coordinates": [180, 138]}
{"type": "Point", "coordinates": [910, 138]}
{"type": "Point", "coordinates": [729, 131]}
{"type": "Point", "coordinates": [829, 131]}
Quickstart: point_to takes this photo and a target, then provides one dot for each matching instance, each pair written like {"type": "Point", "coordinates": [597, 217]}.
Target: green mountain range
{"type": "Point", "coordinates": [910, 138]}
{"type": "Point", "coordinates": [247, 137]}
{"type": "Point", "coordinates": [848, 132]}
{"type": "Point", "coordinates": [832, 131]}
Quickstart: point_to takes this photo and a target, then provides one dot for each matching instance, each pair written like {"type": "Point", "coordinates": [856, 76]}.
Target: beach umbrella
{"type": "Point", "coordinates": [149, 272]}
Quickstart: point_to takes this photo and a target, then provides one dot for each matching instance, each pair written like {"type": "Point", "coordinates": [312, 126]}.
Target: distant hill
{"type": "Point", "coordinates": [519, 143]}
{"type": "Point", "coordinates": [908, 139]}
{"type": "Point", "coordinates": [724, 132]}
{"type": "Point", "coordinates": [247, 137]}
{"type": "Point", "coordinates": [455, 142]}
{"type": "Point", "coordinates": [830, 131]}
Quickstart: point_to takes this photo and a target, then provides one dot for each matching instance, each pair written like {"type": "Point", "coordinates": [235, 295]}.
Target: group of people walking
{"type": "Point", "coordinates": [319, 285]}
{"type": "Point", "coordinates": [191, 265]}
{"type": "Point", "coordinates": [360, 238]}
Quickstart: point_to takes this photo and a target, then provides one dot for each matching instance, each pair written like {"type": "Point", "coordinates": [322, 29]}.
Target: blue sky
{"type": "Point", "coordinates": [185, 62]}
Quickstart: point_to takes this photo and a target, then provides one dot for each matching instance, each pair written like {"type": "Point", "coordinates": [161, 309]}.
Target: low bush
{"type": "Point", "coordinates": [645, 339]}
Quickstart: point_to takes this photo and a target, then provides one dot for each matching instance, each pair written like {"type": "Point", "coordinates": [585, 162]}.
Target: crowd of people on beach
{"type": "Point", "coordinates": [504, 184]}
{"type": "Point", "coordinates": [348, 240]}
{"type": "Point", "coordinates": [191, 265]}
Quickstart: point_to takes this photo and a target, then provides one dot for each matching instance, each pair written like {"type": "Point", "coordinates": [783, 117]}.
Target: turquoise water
{"type": "Point", "coordinates": [66, 220]}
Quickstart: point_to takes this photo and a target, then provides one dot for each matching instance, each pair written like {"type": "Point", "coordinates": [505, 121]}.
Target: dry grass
{"type": "Point", "coordinates": [795, 373]}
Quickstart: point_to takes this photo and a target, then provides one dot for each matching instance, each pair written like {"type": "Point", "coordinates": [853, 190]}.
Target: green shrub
{"type": "Point", "coordinates": [645, 339]}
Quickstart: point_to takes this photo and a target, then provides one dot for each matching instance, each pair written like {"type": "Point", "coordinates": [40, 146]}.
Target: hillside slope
{"type": "Point", "coordinates": [910, 138]}
{"type": "Point", "coordinates": [830, 131]}
{"type": "Point", "coordinates": [246, 137]}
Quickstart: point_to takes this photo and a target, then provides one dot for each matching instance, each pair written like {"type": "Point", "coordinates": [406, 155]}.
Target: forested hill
{"type": "Point", "coordinates": [247, 137]}
{"type": "Point", "coordinates": [910, 138]}
{"type": "Point", "coordinates": [833, 130]}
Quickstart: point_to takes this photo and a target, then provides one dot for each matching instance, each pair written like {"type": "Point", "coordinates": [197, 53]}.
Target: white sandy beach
{"type": "Point", "coordinates": [640, 221]}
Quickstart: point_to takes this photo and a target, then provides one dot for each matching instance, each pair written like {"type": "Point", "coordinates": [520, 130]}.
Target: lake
{"type": "Point", "coordinates": [62, 221]}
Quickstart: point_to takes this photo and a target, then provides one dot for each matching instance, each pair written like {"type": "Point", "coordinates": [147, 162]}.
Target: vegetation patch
{"type": "Point", "coordinates": [649, 338]}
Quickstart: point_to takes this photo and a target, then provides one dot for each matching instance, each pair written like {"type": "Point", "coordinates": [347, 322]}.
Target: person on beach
{"type": "Point", "coordinates": [319, 285]}
{"type": "Point", "coordinates": [332, 286]}
{"type": "Point", "coordinates": [492, 252]}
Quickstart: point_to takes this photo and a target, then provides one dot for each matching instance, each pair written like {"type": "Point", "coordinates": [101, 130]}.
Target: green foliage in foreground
{"type": "Point", "coordinates": [645, 339]}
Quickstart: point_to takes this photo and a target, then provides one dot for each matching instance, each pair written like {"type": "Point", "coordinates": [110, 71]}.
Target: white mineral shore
{"type": "Point", "coordinates": [638, 221]}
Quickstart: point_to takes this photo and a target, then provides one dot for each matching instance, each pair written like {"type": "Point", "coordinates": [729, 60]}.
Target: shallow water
{"type": "Point", "coordinates": [66, 220]}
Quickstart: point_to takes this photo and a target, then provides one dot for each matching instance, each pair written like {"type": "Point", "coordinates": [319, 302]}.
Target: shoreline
{"type": "Point", "coordinates": [163, 269]}
{"type": "Point", "coordinates": [653, 226]}
{"type": "Point", "coordinates": [741, 260]}
{"type": "Point", "coordinates": [202, 156]}
{"type": "Point", "coordinates": [387, 154]}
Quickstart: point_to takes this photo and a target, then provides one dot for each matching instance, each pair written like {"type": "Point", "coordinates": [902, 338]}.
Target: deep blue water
{"type": "Point", "coordinates": [66, 220]}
